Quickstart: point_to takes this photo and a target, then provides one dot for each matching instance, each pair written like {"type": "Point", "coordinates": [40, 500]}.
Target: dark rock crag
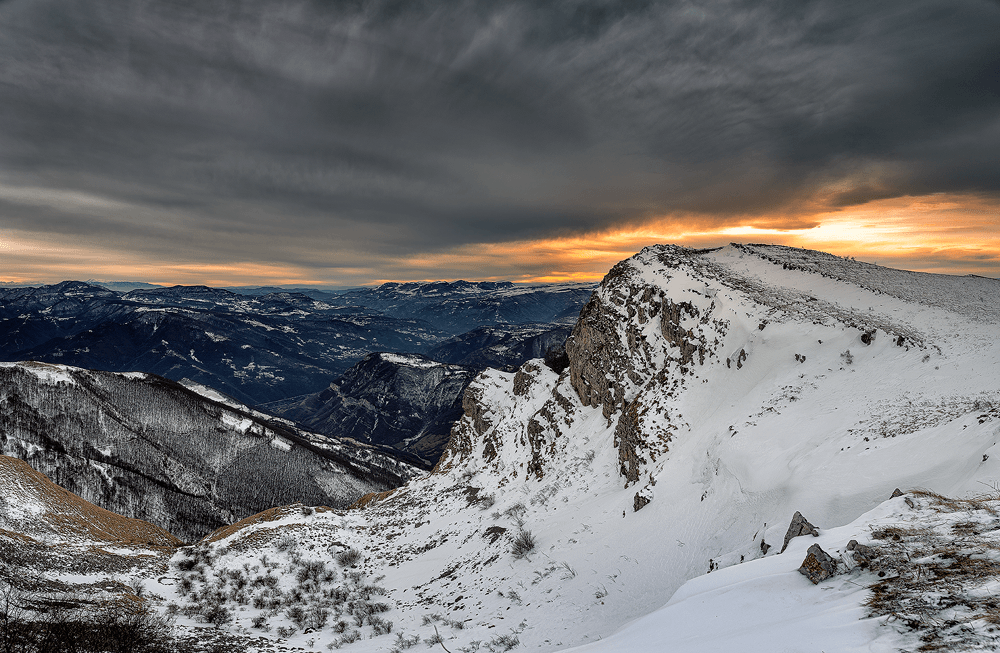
{"type": "Point", "coordinates": [798, 526]}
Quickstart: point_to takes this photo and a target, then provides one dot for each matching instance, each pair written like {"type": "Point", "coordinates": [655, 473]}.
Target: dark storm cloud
{"type": "Point", "coordinates": [405, 126]}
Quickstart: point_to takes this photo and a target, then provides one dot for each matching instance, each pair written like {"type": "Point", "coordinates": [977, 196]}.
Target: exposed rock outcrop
{"type": "Point", "coordinates": [629, 440]}
{"type": "Point", "coordinates": [631, 337]}
{"type": "Point", "coordinates": [818, 565]}
{"type": "Point", "coordinates": [860, 554]}
{"type": "Point", "coordinates": [642, 499]}
{"type": "Point", "coordinates": [799, 526]}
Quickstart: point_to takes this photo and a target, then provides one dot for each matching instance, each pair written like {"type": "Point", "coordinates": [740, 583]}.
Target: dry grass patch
{"type": "Point", "coordinates": [938, 574]}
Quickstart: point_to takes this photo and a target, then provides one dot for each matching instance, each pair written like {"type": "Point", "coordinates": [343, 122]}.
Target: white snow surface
{"type": "Point", "coordinates": [790, 410]}
{"type": "Point", "coordinates": [767, 605]}
{"type": "Point", "coordinates": [46, 372]}
{"type": "Point", "coordinates": [411, 361]}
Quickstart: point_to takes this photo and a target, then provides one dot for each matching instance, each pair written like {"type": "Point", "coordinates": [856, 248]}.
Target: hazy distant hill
{"type": "Point", "coordinates": [461, 306]}
{"type": "Point", "coordinates": [257, 348]}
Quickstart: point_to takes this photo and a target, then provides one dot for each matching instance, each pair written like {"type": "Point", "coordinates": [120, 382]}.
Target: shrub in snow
{"type": "Point", "coordinates": [316, 617]}
{"type": "Point", "coordinates": [503, 643]}
{"type": "Point", "coordinates": [297, 615]}
{"type": "Point", "coordinates": [311, 571]}
{"type": "Point", "coordinates": [216, 614]}
{"type": "Point", "coordinates": [434, 639]}
{"type": "Point", "coordinates": [347, 638]}
{"type": "Point", "coordinates": [404, 642]}
{"type": "Point", "coordinates": [513, 596]}
{"type": "Point", "coordinates": [524, 543]}
{"type": "Point", "coordinates": [516, 510]}
{"type": "Point", "coordinates": [285, 543]}
{"type": "Point", "coordinates": [186, 563]}
{"type": "Point", "coordinates": [379, 626]}
{"type": "Point", "coordinates": [348, 558]}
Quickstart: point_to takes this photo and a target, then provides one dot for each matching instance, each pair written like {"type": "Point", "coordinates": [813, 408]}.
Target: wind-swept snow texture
{"type": "Point", "coordinates": [710, 395]}
{"type": "Point", "coordinates": [767, 605]}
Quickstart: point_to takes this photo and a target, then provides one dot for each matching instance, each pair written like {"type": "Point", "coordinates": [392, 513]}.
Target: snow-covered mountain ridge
{"type": "Point", "coordinates": [183, 457]}
{"type": "Point", "coordinates": [710, 394]}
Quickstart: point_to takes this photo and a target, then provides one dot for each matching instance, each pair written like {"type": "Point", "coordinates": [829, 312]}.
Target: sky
{"type": "Point", "coordinates": [324, 142]}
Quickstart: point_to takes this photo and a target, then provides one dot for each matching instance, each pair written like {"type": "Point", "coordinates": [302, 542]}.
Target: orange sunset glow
{"type": "Point", "coordinates": [937, 233]}
{"type": "Point", "coordinates": [940, 233]}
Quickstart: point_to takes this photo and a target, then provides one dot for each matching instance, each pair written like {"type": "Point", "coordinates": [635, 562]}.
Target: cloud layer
{"type": "Point", "coordinates": [335, 136]}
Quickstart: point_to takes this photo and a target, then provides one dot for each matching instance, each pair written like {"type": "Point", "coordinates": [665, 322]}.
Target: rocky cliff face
{"type": "Point", "coordinates": [146, 447]}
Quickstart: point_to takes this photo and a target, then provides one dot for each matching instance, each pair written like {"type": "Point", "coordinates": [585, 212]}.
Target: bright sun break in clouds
{"type": "Point", "coordinates": [940, 233]}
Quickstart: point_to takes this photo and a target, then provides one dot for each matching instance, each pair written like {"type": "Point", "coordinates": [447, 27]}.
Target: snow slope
{"type": "Point", "coordinates": [710, 395]}
{"type": "Point", "coordinates": [58, 545]}
{"type": "Point", "coordinates": [33, 506]}
{"type": "Point", "coordinates": [927, 582]}
{"type": "Point", "coordinates": [767, 605]}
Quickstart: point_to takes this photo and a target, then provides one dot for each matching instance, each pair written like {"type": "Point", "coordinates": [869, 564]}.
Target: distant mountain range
{"type": "Point", "coordinates": [257, 348]}
{"type": "Point", "coordinates": [310, 357]}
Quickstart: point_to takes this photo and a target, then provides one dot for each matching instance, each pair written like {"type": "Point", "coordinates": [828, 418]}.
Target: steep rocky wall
{"type": "Point", "coordinates": [656, 327]}
{"type": "Point", "coordinates": [406, 402]}
{"type": "Point", "coordinates": [635, 334]}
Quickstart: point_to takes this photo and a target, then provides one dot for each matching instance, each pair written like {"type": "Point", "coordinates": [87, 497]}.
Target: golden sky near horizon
{"type": "Point", "coordinates": [941, 233]}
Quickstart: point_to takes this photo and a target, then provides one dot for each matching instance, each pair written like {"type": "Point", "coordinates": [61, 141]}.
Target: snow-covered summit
{"type": "Point", "coordinates": [710, 394]}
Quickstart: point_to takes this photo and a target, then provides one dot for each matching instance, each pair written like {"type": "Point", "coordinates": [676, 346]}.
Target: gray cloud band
{"type": "Point", "coordinates": [413, 126]}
